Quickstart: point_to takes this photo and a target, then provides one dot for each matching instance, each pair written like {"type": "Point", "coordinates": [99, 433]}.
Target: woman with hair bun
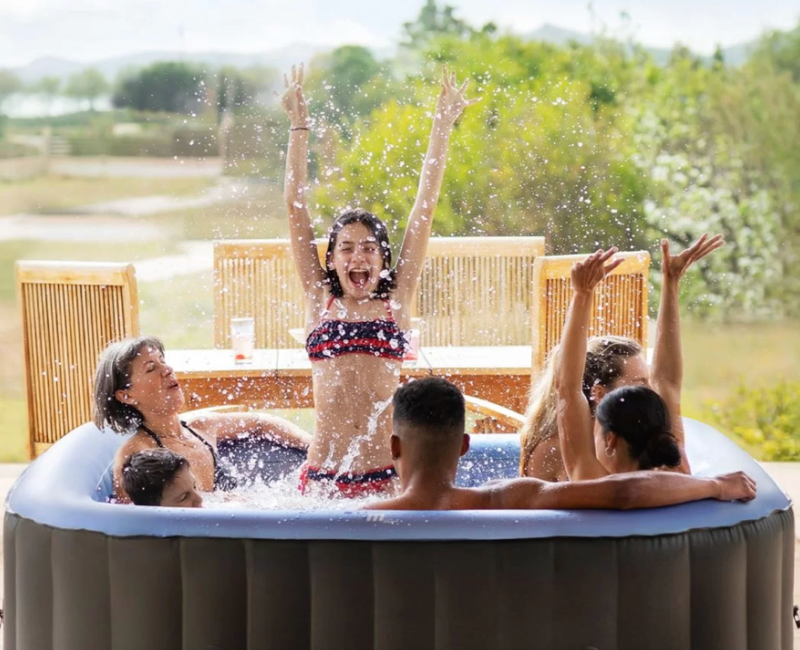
{"type": "Point", "coordinates": [633, 431]}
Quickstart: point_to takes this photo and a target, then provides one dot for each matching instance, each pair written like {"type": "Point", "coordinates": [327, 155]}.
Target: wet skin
{"type": "Point", "coordinates": [345, 429]}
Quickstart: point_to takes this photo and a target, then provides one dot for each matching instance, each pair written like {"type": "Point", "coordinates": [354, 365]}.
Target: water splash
{"type": "Point", "coordinates": [283, 494]}
{"type": "Point", "coordinates": [354, 448]}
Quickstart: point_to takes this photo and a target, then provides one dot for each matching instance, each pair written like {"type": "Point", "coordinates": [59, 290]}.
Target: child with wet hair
{"type": "Point", "coordinates": [160, 477]}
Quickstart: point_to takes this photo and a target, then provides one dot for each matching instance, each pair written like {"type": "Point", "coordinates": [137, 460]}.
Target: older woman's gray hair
{"type": "Point", "coordinates": [113, 374]}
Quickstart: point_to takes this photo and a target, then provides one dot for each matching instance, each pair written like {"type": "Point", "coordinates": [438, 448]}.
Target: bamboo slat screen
{"type": "Point", "coordinates": [619, 307]}
{"type": "Point", "coordinates": [473, 290]}
{"type": "Point", "coordinates": [257, 279]}
{"type": "Point", "coordinates": [477, 290]}
{"type": "Point", "coordinates": [70, 313]}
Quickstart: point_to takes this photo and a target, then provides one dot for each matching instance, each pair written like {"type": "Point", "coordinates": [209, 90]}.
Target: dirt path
{"type": "Point", "coordinates": [139, 167]}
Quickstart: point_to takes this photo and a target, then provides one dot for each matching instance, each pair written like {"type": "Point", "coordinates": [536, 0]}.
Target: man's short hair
{"type": "Point", "coordinates": [432, 404]}
{"type": "Point", "coordinates": [145, 474]}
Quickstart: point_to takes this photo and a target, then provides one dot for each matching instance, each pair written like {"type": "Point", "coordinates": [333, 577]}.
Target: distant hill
{"type": "Point", "coordinates": [282, 58]}
{"type": "Point", "coordinates": [738, 54]}
{"type": "Point", "coordinates": [48, 66]}
{"type": "Point", "coordinates": [734, 55]}
{"type": "Point", "coordinates": [548, 33]}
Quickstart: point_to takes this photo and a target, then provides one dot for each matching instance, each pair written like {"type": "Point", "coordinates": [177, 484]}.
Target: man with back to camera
{"type": "Point", "coordinates": [429, 438]}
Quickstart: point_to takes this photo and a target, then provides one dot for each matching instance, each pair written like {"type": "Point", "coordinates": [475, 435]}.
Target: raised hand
{"type": "Point", "coordinates": [736, 486]}
{"type": "Point", "coordinates": [585, 275]}
{"type": "Point", "coordinates": [451, 99]}
{"type": "Point", "coordinates": [674, 266]}
{"type": "Point", "coordinates": [292, 99]}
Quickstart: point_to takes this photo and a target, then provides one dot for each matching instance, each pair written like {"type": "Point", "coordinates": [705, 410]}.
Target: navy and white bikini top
{"type": "Point", "coordinates": [223, 479]}
{"type": "Point", "coordinates": [380, 338]}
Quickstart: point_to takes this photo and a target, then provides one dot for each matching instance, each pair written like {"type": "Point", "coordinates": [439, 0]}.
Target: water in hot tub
{"type": "Point", "coordinates": [284, 493]}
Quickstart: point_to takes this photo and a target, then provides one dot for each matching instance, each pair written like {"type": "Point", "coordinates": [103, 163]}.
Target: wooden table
{"type": "Point", "coordinates": [282, 378]}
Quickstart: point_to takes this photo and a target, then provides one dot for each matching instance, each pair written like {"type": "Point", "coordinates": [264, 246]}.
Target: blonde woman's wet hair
{"type": "Point", "coordinates": [605, 357]}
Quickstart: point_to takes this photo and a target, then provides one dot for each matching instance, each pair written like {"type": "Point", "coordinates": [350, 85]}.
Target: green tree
{"type": "Point", "coordinates": [239, 89]}
{"type": "Point", "coordinates": [539, 155]}
{"type": "Point", "coordinates": [433, 21]}
{"type": "Point", "coordinates": [783, 50]}
{"type": "Point", "coordinates": [47, 88]}
{"type": "Point", "coordinates": [719, 146]}
{"type": "Point", "coordinates": [9, 84]}
{"type": "Point", "coordinates": [169, 86]}
{"type": "Point", "coordinates": [88, 84]}
{"type": "Point", "coordinates": [346, 84]}
{"type": "Point", "coordinates": [592, 145]}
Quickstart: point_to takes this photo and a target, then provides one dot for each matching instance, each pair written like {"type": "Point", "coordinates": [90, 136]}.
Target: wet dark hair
{"type": "Point", "coordinates": [146, 474]}
{"type": "Point", "coordinates": [378, 229]}
{"type": "Point", "coordinates": [640, 417]}
{"type": "Point", "coordinates": [113, 374]}
{"type": "Point", "coordinates": [432, 404]}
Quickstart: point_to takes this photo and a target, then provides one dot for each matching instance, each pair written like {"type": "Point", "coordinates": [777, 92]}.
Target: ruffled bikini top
{"type": "Point", "coordinates": [380, 338]}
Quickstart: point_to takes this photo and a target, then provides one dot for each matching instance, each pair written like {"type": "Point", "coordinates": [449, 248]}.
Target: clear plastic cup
{"type": "Point", "coordinates": [413, 335]}
{"type": "Point", "coordinates": [243, 339]}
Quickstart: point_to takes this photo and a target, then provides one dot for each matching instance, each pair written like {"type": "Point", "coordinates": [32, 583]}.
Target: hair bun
{"type": "Point", "coordinates": [661, 451]}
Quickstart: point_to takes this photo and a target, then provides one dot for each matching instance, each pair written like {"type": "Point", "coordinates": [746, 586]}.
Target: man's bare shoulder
{"type": "Point", "coordinates": [477, 498]}
{"type": "Point", "coordinates": [511, 493]}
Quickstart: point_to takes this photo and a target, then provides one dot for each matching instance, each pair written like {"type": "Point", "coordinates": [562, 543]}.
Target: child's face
{"type": "Point", "coordinates": [182, 492]}
{"type": "Point", "coordinates": [357, 260]}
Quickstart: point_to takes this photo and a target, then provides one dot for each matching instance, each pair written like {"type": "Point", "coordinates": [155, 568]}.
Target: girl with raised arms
{"type": "Point", "coordinates": [358, 305]}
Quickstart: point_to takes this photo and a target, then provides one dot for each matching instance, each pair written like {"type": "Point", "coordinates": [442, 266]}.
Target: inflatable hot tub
{"type": "Point", "coordinates": [81, 574]}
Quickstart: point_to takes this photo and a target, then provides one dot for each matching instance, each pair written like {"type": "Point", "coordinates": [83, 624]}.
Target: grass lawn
{"type": "Point", "coordinates": [180, 312]}
{"type": "Point", "coordinates": [13, 432]}
{"type": "Point", "coordinates": [719, 358]}
{"type": "Point", "coordinates": [258, 213]}
{"type": "Point", "coordinates": [11, 251]}
{"type": "Point", "coordinates": [50, 194]}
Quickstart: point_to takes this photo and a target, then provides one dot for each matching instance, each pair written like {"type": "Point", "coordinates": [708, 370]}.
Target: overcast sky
{"type": "Point", "coordinates": [87, 30]}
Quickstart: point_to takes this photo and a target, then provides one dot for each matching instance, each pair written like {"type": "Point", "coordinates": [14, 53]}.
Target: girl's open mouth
{"type": "Point", "coordinates": [359, 278]}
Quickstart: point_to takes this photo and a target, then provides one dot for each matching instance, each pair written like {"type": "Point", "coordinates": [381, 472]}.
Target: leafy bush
{"type": "Point", "coordinates": [765, 420]}
{"type": "Point", "coordinates": [170, 86]}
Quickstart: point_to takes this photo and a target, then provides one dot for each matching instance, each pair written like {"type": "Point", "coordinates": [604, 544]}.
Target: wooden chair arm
{"type": "Point", "coordinates": [497, 419]}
